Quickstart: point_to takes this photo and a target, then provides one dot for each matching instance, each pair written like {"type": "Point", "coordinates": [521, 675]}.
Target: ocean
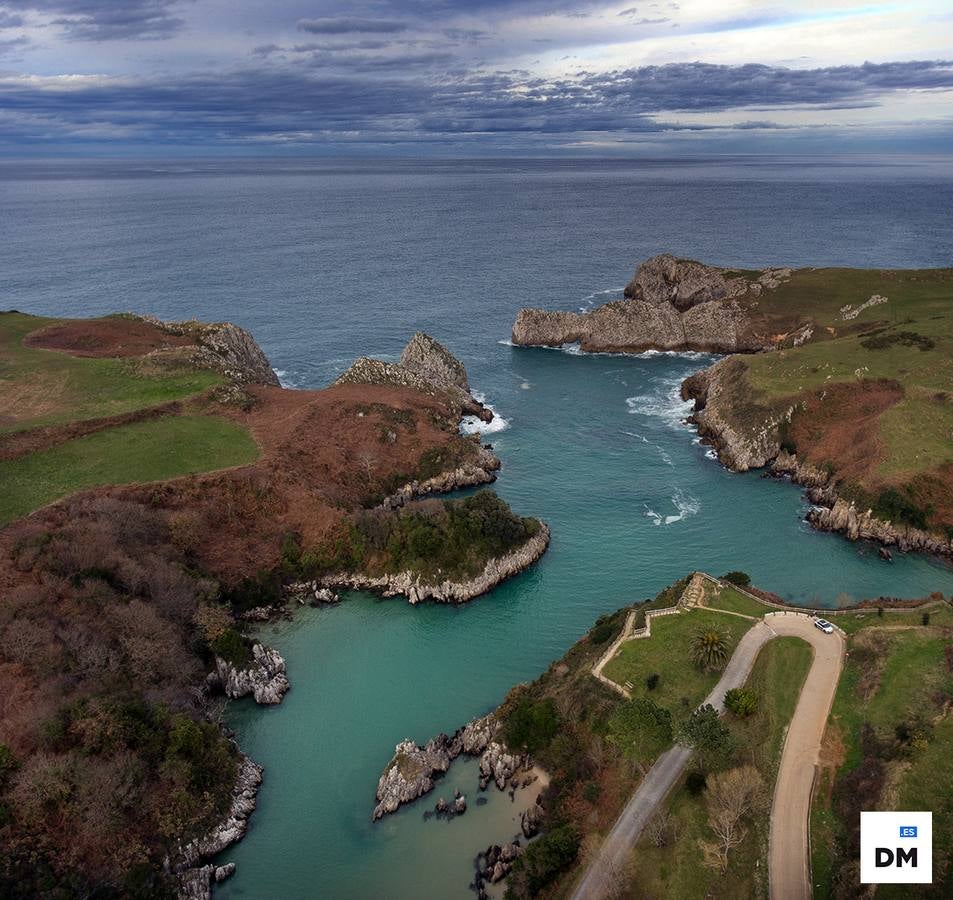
{"type": "Point", "coordinates": [327, 260]}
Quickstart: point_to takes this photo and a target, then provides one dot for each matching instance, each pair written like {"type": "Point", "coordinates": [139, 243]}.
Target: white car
{"type": "Point", "coordinates": [824, 625]}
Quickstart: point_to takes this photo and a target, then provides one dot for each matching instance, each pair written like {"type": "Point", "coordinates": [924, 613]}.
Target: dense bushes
{"type": "Point", "coordinates": [741, 701]}
{"type": "Point", "coordinates": [542, 861]}
{"type": "Point", "coordinates": [531, 726]}
{"type": "Point", "coordinates": [106, 763]}
{"type": "Point", "coordinates": [434, 538]}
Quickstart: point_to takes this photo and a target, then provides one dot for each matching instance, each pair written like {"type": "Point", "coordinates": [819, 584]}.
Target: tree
{"type": "Point", "coordinates": [662, 829]}
{"type": "Point", "coordinates": [741, 701]}
{"type": "Point", "coordinates": [640, 728]}
{"type": "Point", "coordinates": [742, 579]}
{"type": "Point", "coordinates": [710, 648]}
{"type": "Point", "coordinates": [710, 737]}
{"type": "Point", "coordinates": [731, 797]}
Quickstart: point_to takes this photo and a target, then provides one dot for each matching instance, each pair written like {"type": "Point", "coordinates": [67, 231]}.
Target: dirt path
{"type": "Point", "coordinates": [788, 853]}
{"type": "Point", "coordinates": [789, 846]}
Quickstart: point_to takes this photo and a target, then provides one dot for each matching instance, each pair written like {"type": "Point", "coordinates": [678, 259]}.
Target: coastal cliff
{"type": "Point", "coordinates": [749, 433]}
{"type": "Point", "coordinates": [670, 304]}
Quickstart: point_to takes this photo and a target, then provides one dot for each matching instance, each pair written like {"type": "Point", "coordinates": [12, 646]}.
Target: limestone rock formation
{"type": "Point", "coordinates": [264, 677]}
{"type": "Point", "coordinates": [670, 304]}
{"type": "Point", "coordinates": [410, 585]}
{"type": "Point", "coordinates": [194, 879]}
{"type": "Point", "coordinates": [499, 765]}
{"type": "Point", "coordinates": [410, 773]}
{"type": "Point", "coordinates": [224, 347]}
{"type": "Point", "coordinates": [471, 474]}
{"type": "Point", "coordinates": [425, 365]}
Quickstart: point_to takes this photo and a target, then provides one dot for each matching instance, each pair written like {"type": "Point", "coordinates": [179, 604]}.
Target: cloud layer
{"type": "Point", "coordinates": [480, 74]}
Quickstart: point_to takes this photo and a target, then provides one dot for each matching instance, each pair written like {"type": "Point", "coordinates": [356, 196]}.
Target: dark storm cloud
{"type": "Point", "coordinates": [379, 100]}
{"type": "Point", "coordinates": [104, 20]}
{"type": "Point", "coordinates": [350, 25]}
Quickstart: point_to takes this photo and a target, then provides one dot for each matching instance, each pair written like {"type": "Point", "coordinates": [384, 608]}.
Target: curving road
{"type": "Point", "coordinates": [789, 844]}
{"type": "Point", "coordinates": [788, 854]}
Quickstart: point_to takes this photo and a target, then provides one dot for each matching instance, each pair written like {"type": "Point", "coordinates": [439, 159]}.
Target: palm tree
{"type": "Point", "coordinates": [709, 648]}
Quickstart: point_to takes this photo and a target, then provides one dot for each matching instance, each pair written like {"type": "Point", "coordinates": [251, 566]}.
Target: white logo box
{"type": "Point", "coordinates": [896, 848]}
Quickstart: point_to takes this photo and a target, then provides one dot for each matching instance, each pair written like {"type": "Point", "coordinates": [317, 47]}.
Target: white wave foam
{"type": "Point", "coordinates": [665, 404]}
{"type": "Point", "coordinates": [475, 425]}
{"type": "Point", "coordinates": [685, 504]}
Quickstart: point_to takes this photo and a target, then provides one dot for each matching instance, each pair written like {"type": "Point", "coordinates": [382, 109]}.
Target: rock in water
{"type": "Point", "coordinates": [410, 773]}
{"type": "Point", "coordinates": [264, 677]}
{"type": "Point", "coordinates": [670, 304]}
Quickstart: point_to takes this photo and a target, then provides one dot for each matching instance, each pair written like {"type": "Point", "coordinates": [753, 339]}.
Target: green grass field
{"type": "Point", "coordinates": [940, 614]}
{"type": "Point", "coordinates": [917, 432]}
{"type": "Point", "coordinates": [678, 870]}
{"type": "Point", "coordinates": [682, 685]}
{"type": "Point", "coordinates": [729, 598]}
{"type": "Point", "coordinates": [47, 387]}
{"type": "Point", "coordinates": [892, 674]}
{"type": "Point", "coordinates": [144, 451]}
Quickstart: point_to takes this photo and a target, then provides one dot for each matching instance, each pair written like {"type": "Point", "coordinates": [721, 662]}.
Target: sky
{"type": "Point", "coordinates": [474, 77]}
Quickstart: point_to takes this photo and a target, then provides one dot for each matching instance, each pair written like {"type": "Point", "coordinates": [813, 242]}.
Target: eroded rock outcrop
{"type": "Point", "coordinates": [416, 590]}
{"type": "Point", "coordinates": [480, 471]}
{"type": "Point", "coordinates": [410, 774]}
{"type": "Point", "coordinates": [670, 304]}
{"type": "Point", "coordinates": [221, 346]}
{"type": "Point", "coordinates": [426, 366]}
{"type": "Point", "coordinates": [194, 879]}
{"type": "Point", "coordinates": [264, 677]}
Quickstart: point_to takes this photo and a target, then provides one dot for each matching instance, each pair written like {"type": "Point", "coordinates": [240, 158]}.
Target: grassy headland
{"type": "Point", "coordinates": [146, 501]}
{"type": "Point", "coordinates": [870, 391]}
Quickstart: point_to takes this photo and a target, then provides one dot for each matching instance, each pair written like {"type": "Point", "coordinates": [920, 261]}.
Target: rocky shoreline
{"type": "Point", "coordinates": [416, 591]}
{"type": "Point", "coordinates": [714, 388]}
{"type": "Point", "coordinates": [264, 677]}
{"type": "Point", "coordinates": [471, 474]}
{"type": "Point", "coordinates": [195, 880]}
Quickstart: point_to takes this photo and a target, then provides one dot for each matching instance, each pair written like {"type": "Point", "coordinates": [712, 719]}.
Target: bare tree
{"type": "Point", "coordinates": [662, 829]}
{"type": "Point", "coordinates": [731, 797]}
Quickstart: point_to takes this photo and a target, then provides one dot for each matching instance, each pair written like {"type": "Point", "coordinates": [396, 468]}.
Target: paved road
{"type": "Point", "coordinates": [788, 863]}
{"type": "Point", "coordinates": [661, 777]}
{"type": "Point", "coordinates": [788, 853]}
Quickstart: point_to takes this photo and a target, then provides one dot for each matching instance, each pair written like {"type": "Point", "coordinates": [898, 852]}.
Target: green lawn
{"type": "Point", "coordinates": [144, 451]}
{"type": "Point", "coordinates": [679, 870]}
{"type": "Point", "coordinates": [46, 387]}
{"type": "Point", "coordinates": [727, 597]}
{"type": "Point", "coordinates": [682, 685]}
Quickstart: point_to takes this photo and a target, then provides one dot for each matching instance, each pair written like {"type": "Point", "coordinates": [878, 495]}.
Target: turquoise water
{"type": "Point", "coordinates": [594, 446]}
{"type": "Point", "coordinates": [324, 261]}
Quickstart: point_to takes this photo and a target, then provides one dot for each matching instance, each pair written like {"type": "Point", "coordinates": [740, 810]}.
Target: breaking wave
{"type": "Point", "coordinates": [665, 403]}
{"type": "Point", "coordinates": [684, 504]}
{"type": "Point", "coordinates": [475, 425]}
